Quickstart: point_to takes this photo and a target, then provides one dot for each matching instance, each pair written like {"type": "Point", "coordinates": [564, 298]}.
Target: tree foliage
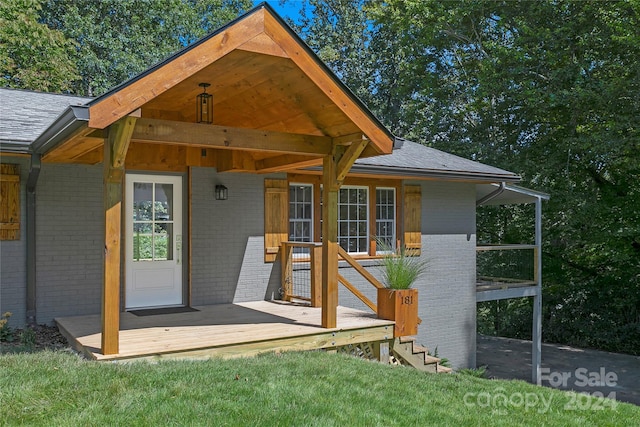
{"type": "Point", "coordinates": [549, 89]}
{"type": "Point", "coordinates": [117, 39]}
{"type": "Point", "coordinates": [33, 56]}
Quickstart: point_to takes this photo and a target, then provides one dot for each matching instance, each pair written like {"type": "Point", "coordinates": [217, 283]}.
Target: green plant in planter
{"type": "Point", "coordinates": [400, 270]}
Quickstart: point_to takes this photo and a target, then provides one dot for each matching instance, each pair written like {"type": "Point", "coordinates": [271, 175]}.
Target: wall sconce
{"type": "Point", "coordinates": [204, 105]}
{"type": "Point", "coordinates": [221, 192]}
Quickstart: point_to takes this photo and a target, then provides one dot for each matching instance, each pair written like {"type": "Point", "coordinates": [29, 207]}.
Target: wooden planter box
{"type": "Point", "coordinates": [401, 306]}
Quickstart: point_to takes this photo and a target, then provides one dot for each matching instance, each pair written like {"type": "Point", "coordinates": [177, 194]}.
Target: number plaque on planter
{"type": "Point", "coordinates": [401, 306]}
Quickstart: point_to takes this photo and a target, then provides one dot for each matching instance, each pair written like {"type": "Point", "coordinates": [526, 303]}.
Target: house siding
{"type": "Point", "coordinates": [446, 293]}
{"type": "Point", "coordinates": [70, 241]}
{"type": "Point", "coordinates": [13, 258]}
{"type": "Point", "coordinates": [227, 253]}
{"type": "Point", "coordinates": [227, 262]}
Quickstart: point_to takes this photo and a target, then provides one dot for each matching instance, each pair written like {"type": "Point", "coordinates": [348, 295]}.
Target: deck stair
{"type": "Point", "coordinates": [407, 352]}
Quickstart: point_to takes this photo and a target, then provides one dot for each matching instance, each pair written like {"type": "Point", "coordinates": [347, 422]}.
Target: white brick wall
{"type": "Point", "coordinates": [228, 240]}
{"type": "Point", "coordinates": [70, 241]}
{"type": "Point", "coordinates": [227, 258]}
{"type": "Point", "coordinates": [13, 258]}
{"type": "Point", "coordinates": [447, 294]}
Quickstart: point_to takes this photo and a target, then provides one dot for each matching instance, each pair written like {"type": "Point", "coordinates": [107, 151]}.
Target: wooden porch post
{"type": "Point", "coordinates": [334, 169]}
{"type": "Point", "coordinates": [115, 152]}
{"type": "Point", "coordinates": [330, 188]}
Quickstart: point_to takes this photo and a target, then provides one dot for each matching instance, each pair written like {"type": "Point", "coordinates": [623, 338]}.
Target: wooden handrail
{"type": "Point", "coordinates": [357, 293]}
{"type": "Point", "coordinates": [503, 247]}
{"type": "Point", "coordinates": [303, 244]}
{"type": "Point", "coordinates": [360, 269]}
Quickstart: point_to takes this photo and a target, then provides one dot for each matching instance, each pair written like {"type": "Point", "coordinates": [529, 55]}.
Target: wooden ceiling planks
{"type": "Point", "coordinates": [262, 80]}
{"type": "Point", "coordinates": [333, 90]}
{"type": "Point", "coordinates": [117, 105]}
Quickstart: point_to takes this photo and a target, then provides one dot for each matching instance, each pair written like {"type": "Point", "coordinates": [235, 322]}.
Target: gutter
{"type": "Point", "coordinates": [32, 180]}
{"type": "Point", "coordinates": [72, 119]}
{"type": "Point", "coordinates": [492, 195]}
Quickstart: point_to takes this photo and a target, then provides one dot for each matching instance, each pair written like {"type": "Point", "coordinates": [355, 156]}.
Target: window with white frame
{"type": "Point", "coordinates": [386, 219]}
{"type": "Point", "coordinates": [353, 219]}
{"type": "Point", "coordinates": [301, 214]}
{"type": "Point", "coordinates": [356, 227]}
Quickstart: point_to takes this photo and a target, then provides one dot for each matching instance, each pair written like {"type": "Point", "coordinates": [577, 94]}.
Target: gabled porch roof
{"type": "Point", "coordinates": [272, 96]}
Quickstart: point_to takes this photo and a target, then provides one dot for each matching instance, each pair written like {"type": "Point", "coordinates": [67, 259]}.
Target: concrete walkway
{"type": "Point", "coordinates": [591, 371]}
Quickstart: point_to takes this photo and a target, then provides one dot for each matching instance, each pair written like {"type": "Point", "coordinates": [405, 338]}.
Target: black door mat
{"type": "Point", "coordinates": [166, 310]}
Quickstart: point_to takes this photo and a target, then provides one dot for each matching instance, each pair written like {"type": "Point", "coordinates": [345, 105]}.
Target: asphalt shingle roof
{"type": "Point", "coordinates": [25, 114]}
{"type": "Point", "coordinates": [416, 159]}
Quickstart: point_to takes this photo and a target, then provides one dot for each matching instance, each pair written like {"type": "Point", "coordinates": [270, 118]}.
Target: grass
{"type": "Point", "coordinates": [313, 388]}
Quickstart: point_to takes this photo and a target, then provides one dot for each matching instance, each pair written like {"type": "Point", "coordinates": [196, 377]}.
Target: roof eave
{"type": "Point", "coordinates": [72, 119]}
{"type": "Point", "coordinates": [13, 148]}
{"type": "Point", "coordinates": [430, 173]}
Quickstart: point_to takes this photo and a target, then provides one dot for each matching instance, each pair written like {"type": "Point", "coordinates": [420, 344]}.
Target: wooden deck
{"type": "Point", "coordinates": [226, 330]}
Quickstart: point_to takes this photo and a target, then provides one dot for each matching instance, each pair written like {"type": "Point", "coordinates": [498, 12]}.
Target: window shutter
{"type": "Point", "coordinates": [276, 216]}
{"type": "Point", "coordinates": [412, 219]}
{"type": "Point", "coordinates": [9, 202]}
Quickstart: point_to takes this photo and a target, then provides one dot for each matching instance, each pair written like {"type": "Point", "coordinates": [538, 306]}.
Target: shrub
{"type": "Point", "coordinates": [6, 333]}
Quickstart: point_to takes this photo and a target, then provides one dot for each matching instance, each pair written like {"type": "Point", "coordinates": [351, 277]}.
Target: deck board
{"type": "Point", "coordinates": [249, 326]}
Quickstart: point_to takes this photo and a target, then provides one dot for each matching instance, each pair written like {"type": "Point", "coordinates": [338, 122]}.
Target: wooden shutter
{"type": "Point", "coordinates": [276, 216]}
{"type": "Point", "coordinates": [412, 219]}
{"type": "Point", "coordinates": [9, 202]}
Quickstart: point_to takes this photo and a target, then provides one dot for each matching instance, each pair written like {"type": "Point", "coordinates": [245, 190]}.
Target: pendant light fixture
{"type": "Point", "coordinates": [204, 105]}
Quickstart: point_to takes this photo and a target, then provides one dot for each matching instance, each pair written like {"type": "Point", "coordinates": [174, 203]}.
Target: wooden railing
{"type": "Point", "coordinates": [302, 274]}
{"type": "Point", "coordinates": [302, 281]}
{"type": "Point", "coordinates": [364, 273]}
{"type": "Point", "coordinates": [507, 265]}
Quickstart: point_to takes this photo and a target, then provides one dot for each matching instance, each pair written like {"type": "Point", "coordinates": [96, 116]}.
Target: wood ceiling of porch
{"type": "Point", "coordinates": [252, 91]}
{"type": "Point", "coordinates": [271, 113]}
{"type": "Point", "coordinates": [276, 107]}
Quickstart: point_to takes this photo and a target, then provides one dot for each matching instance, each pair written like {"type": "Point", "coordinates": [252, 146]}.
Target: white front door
{"type": "Point", "coordinates": [153, 212]}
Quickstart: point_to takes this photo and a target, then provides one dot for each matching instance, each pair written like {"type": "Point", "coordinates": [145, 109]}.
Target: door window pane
{"type": "Point", "coordinates": [142, 201]}
{"type": "Point", "coordinates": [163, 202]}
{"type": "Point", "coordinates": [142, 242]}
{"type": "Point", "coordinates": [152, 221]}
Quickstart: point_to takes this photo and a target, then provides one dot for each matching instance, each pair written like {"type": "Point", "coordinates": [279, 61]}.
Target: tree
{"type": "Point", "coordinates": [549, 89]}
{"type": "Point", "coordinates": [33, 56]}
{"type": "Point", "coordinates": [117, 39]}
{"type": "Point", "coordinates": [369, 58]}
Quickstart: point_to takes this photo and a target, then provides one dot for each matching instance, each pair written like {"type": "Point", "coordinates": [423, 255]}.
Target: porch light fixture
{"type": "Point", "coordinates": [204, 105]}
{"type": "Point", "coordinates": [221, 192]}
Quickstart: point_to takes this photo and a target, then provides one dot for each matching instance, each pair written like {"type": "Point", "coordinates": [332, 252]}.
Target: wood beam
{"type": "Point", "coordinates": [235, 161]}
{"type": "Point", "coordinates": [350, 156]}
{"type": "Point", "coordinates": [263, 44]}
{"type": "Point", "coordinates": [212, 136]}
{"type": "Point", "coordinates": [331, 187]}
{"type": "Point", "coordinates": [381, 140]}
{"type": "Point", "coordinates": [162, 78]}
{"type": "Point", "coordinates": [60, 151]}
{"type": "Point", "coordinates": [286, 162]}
{"type": "Point", "coordinates": [348, 139]}
{"type": "Point", "coordinates": [115, 151]}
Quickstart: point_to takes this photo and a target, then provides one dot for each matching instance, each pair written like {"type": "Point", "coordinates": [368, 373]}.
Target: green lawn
{"type": "Point", "coordinates": [313, 388]}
